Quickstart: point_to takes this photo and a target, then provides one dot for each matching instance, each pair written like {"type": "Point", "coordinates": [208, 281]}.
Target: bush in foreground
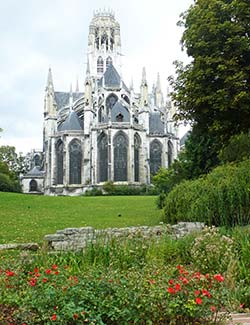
{"type": "Point", "coordinates": [222, 198]}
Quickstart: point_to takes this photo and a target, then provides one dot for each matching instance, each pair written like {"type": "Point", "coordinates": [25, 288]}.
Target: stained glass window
{"type": "Point", "coordinates": [120, 157]}
{"type": "Point", "coordinates": [137, 144]}
{"type": "Point", "coordinates": [155, 156]}
{"type": "Point", "coordinates": [108, 61]}
{"type": "Point", "coordinates": [103, 158]}
{"type": "Point", "coordinates": [100, 67]}
{"type": "Point", "coordinates": [59, 162]}
{"type": "Point", "coordinates": [75, 162]}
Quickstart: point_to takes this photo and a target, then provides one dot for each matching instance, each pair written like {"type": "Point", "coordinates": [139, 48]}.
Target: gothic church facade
{"type": "Point", "coordinates": [109, 132]}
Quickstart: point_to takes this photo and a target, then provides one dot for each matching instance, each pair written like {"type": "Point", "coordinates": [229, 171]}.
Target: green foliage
{"type": "Point", "coordinates": [212, 252]}
{"type": "Point", "coordinates": [10, 167]}
{"type": "Point", "coordinates": [118, 282]}
{"type": "Point", "coordinates": [237, 149]}
{"type": "Point", "coordinates": [213, 90]}
{"type": "Point", "coordinates": [111, 189]}
{"type": "Point", "coordinates": [6, 184]}
{"type": "Point", "coordinates": [220, 198]}
{"type": "Point", "coordinates": [26, 218]}
{"type": "Point", "coordinates": [95, 191]}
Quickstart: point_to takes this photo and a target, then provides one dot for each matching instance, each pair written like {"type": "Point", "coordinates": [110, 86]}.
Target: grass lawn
{"type": "Point", "coordinates": [25, 218]}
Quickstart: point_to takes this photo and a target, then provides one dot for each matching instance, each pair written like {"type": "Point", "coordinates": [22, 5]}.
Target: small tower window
{"type": "Point", "coordinates": [100, 65]}
{"type": "Point", "coordinates": [108, 61]}
{"type": "Point", "coordinates": [119, 117]}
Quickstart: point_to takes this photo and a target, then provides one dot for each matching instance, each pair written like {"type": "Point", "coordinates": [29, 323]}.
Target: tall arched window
{"type": "Point", "coordinates": [137, 144]}
{"type": "Point", "coordinates": [110, 102]}
{"type": "Point", "coordinates": [100, 64]}
{"type": "Point", "coordinates": [102, 158]}
{"type": "Point", "coordinates": [108, 61]}
{"type": "Point", "coordinates": [33, 186]}
{"type": "Point", "coordinates": [59, 162]}
{"type": "Point", "coordinates": [155, 156]}
{"type": "Point", "coordinates": [37, 160]}
{"type": "Point", "coordinates": [170, 153]}
{"type": "Point", "coordinates": [120, 157]}
{"type": "Point", "coordinates": [75, 162]}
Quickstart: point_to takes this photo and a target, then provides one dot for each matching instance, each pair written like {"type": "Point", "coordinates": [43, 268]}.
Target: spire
{"type": "Point", "coordinates": [77, 85]}
{"type": "Point", "coordinates": [70, 97]}
{"type": "Point", "coordinates": [88, 68]}
{"type": "Point", "coordinates": [131, 87]}
{"type": "Point", "coordinates": [158, 82]}
{"type": "Point", "coordinates": [144, 80]}
{"type": "Point", "coordinates": [158, 92]}
{"type": "Point", "coordinates": [49, 80]}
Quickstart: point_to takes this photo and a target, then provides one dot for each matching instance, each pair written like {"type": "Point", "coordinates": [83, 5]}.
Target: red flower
{"type": "Point", "coordinates": [184, 280]}
{"type": "Point", "coordinates": [206, 293]}
{"type": "Point", "coordinates": [9, 273]}
{"type": "Point", "coordinates": [56, 272]}
{"type": "Point", "coordinates": [36, 270]}
{"type": "Point", "coordinates": [219, 277]}
{"type": "Point", "coordinates": [213, 309]}
{"type": "Point", "coordinates": [198, 301]}
{"type": "Point", "coordinates": [171, 290]}
{"type": "Point", "coordinates": [75, 316]}
{"type": "Point", "coordinates": [53, 317]}
{"type": "Point", "coordinates": [54, 267]}
{"type": "Point", "coordinates": [37, 275]}
{"type": "Point", "coordinates": [48, 271]}
{"type": "Point", "coordinates": [32, 282]}
{"type": "Point", "coordinates": [171, 281]}
{"type": "Point", "coordinates": [177, 287]}
{"type": "Point", "coordinates": [45, 280]}
{"type": "Point", "coordinates": [197, 292]}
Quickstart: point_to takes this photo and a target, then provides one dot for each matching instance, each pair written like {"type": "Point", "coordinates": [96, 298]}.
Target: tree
{"type": "Point", "coordinates": [16, 163]}
{"type": "Point", "coordinates": [213, 90]}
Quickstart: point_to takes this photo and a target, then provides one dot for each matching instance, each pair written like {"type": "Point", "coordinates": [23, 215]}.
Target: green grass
{"type": "Point", "coordinates": [25, 218]}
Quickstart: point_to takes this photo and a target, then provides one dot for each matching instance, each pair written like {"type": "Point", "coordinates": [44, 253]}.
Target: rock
{"type": "Point", "coordinates": [26, 246]}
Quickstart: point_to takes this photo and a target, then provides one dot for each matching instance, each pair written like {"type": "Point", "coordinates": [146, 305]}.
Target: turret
{"type": "Point", "coordinates": [158, 92]}
{"type": "Point", "coordinates": [49, 100]}
{"type": "Point", "coordinates": [88, 86]}
{"type": "Point", "coordinates": [144, 89]}
{"type": "Point", "coordinates": [104, 43]}
{"type": "Point", "coordinates": [49, 109]}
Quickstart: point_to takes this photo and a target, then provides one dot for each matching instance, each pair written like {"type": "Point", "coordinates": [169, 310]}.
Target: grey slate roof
{"type": "Point", "coordinates": [35, 171]}
{"type": "Point", "coordinates": [111, 77]}
{"type": "Point", "coordinates": [62, 98]}
{"type": "Point", "coordinates": [117, 109]}
{"type": "Point", "coordinates": [156, 126]}
{"type": "Point", "coordinates": [72, 123]}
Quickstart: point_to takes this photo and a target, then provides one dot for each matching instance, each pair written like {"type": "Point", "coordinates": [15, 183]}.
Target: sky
{"type": "Point", "coordinates": [38, 34]}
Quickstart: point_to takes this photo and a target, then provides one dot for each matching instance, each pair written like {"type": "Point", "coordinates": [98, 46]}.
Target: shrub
{"type": "Point", "coordinates": [212, 252]}
{"type": "Point", "coordinates": [111, 189]}
{"type": "Point", "coordinates": [237, 149]}
{"type": "Point", "coordinates": [6, 184]}
{"type": "Point", "coordinates": [93, 192]}
{"type": "Point", "coordinates": [222, 198]}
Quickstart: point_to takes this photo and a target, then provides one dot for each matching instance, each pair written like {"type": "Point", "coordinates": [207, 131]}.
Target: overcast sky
{"type": "Point", "coordinates": [36, 34]}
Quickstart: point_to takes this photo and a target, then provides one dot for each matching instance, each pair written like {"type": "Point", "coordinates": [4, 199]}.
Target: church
{"type": "Point", "coordinates": [109, 132]}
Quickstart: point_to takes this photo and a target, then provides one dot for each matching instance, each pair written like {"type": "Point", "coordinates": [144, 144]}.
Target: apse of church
{"type": "Point", "coordinates": [109, 132]}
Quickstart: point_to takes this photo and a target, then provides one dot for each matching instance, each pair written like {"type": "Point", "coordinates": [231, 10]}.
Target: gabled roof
{"type": "Point", "coordinates": [111, 78]}
{"type": "Point", "coordinates": [72, 123]}
{"type": "Point", "coordinates": [35, 171]}
{"type": "Point", "coordinates": [62, 98]}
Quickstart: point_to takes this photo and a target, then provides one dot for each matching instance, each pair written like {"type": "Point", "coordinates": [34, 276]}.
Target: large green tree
{"type": "Point", "coordinates": [213, 90]}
